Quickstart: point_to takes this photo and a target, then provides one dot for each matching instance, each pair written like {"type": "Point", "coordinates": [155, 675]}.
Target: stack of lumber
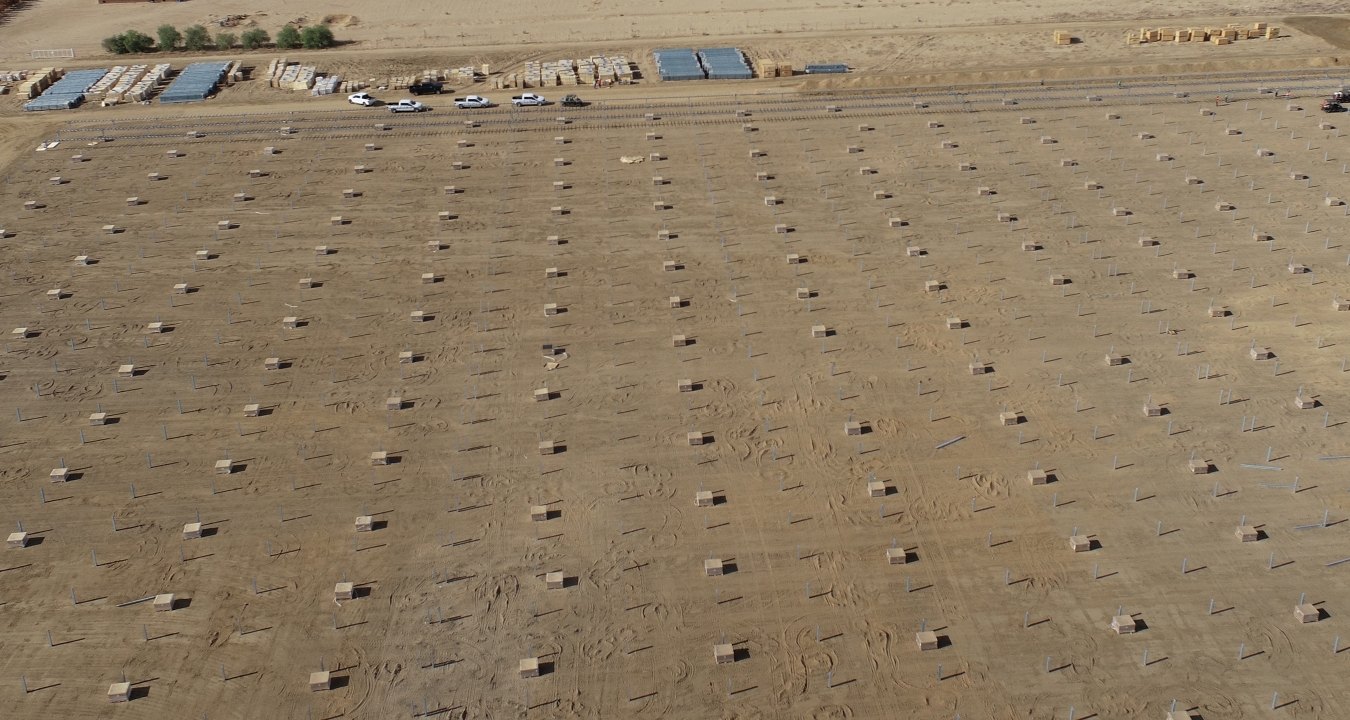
{"type": "Point", "coordinates": [1215, 35]}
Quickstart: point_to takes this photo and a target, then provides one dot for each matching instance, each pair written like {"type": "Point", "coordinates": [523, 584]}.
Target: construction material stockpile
{"type": "Point", "coordinates": [465, 75]}
{"type": "Point", "coordinates": [141, 89]}
{"type": "Point", "coordinates": [129, 84]}
{"type": "Point", "coordinates": [287, 75]}
{"type": "Point", "coordinates": [326, 85]}
{"type": "Point", "coordinates": [549, 74]}
{"type": "Point", "coordinates": [724, 63]}
{"type": "Point", "coordinates": [195, 83]}
{"type": "Point", "coordinates": [290, 76]}
{"type": "Point", "coordinates": [67, 92]}
{"type": "Point", "coordinates": [678, 64]}
{"type": "Point", "coordinates": [604, 69]}
{"type": "Point", "coordinates": [825, 68]}
{"type": "Point", "coordinates": [37, 82]}
{"type": "Point", "coordinates": [307, 78]}
{"type": "Point", "coordinates": [766, 68]}
{"type": "Point", "coordinates": [10, 76]}
{"type": "Point", "coordinates": [1214, 35]}
{"type": "Point", "coordinates": [114, 75]}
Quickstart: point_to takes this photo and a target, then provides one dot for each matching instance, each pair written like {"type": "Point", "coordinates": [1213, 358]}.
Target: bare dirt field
{"type": "Point", "coordinates": [463, 23]}
{"type": "Point", "coordinates": [857, 266]}
{"type": "Point", "coordinates": [878, 38]}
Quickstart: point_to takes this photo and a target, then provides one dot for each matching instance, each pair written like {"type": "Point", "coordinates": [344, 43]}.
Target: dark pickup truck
{"type": "Point", "coordinates": [426, 88]}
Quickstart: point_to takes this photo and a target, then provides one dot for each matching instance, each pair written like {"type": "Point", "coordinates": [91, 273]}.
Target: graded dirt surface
{"type": "Point", "coordinates": [465, 23]}
{"type": "Point", "coordinates": [982, 40]}
{"type": "Point", "coordinates": [1109, 232]}
{"type": "Point", "coordinates": [1335, 30]}
{"type": "Point", "coordinates": [1042, 275]}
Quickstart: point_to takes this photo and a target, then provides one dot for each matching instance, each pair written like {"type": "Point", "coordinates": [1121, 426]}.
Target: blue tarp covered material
{"type": "Point", "coordinates": [678, 64]}
{"type": "Point", "coordinates": [67, 92]}
{"type": "Point", "coordinates": [195, 83]}
{"type": "Point", "coordinates": [53, 102]}
{"type": "Point", "coordinates": [726, 63]}
{"type": "Point", "coordinates": [825, 68]}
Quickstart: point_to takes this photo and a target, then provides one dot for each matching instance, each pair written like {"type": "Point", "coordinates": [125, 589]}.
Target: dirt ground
{"type": "Point", "coordinates": [888, 39]}
{"type": "Point", "coordinates": [451, 581]}
{"type": "Point", "coordinates": [463, 23]}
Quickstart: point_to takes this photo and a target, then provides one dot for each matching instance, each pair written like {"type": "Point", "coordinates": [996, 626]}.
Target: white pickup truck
{"type": "Point", "coordinates": [472, 101]}
{"type": "Point", "coordinates": [406, 105]}
{"type": "Point", "coordinates": [528, 99]}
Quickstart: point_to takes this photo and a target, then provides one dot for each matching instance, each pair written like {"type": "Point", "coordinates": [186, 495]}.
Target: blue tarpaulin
{"type": "Point", "coordinates": [67, 92]}
{"type": "Point", "coordinates": [678, 64]}
{"type": "Point", "coordinates": [195, 83]}
{"type": "Point", "coordinates": [725, 63]}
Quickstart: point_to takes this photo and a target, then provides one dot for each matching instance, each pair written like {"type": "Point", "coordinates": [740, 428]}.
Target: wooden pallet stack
{"type": "Point", "coordinates": [582, 71]}
{"type": "Point", "coordinates": [1214, 35]}
{"type": "Point", "coordinates": [39, 81]}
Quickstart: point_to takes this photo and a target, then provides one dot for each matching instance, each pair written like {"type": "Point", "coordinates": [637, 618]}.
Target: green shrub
{"type": "Point", "coordinates": [136, 41]}
{"type": "Point", "coordinates": [130, 41]}
{"type": "Point", "coordinates": [316, 37]}
{"type": "Point", "coordinates": [254, 39]}
{"type": "Point", "coordinates": [114, 45]}
{"type": "Point", "coordinates": [169, 37]}
{"type": "Point", "coordinates": [196, 38]}
{"type": "Point", "coordinates": [225, 41]}
{"type": "Point", "coordinates": [288, 38]}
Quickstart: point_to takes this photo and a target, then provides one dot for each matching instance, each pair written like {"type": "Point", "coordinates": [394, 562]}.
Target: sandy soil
{"type": "Point", "coordinates": [879, 61]}
{"type": "Point", "coordinates": [452, 577]}
{"type": "Point", "coordinates": [930, 35]}
{"type": "Point", "coordinates": [461, 22]}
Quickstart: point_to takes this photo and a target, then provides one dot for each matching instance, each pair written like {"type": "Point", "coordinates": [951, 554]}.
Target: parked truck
{"type": "Point", "coordinates": [472, 101]}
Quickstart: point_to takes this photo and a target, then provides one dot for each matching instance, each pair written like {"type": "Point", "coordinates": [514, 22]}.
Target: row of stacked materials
{"type": "Point", "coordinates": [291, 76]}
{"type": "Point", "coordinates": [582, 71]}
{"type": "Point", "coordinates": [1215, 35]}
{"type": "Point", "coordinates": [68, 92]}
{"type": "Point", "coordinates": [129, 84]}
{"type": "Point", "coordinates": [11, 76]}
{"type": "Point", "coordinates": [37, 82]}
{"type": "Point", "coordinates": [724, 63]}
{"type": "Point", "coordinates": [605, 68]}
{"type": "Point", "coordinates": [678, 64]}
{"type": "Point", "coordinates": [766, 68]}
{"type": "Point", "coordinates": [326, 85]}
{"type": "Point", "coordinates": [197, 82]}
